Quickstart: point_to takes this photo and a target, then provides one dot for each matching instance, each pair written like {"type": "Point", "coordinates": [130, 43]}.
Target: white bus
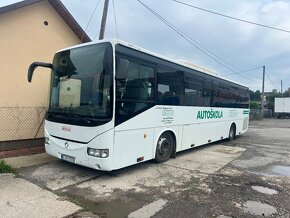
{"type": "Point", "coordinates": [113, 105]}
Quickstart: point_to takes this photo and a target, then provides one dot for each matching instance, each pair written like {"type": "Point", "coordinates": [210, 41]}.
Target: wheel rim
{"type": "Point", "coordinates": [163, 146]}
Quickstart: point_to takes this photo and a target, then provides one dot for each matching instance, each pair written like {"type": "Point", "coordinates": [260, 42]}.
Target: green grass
{"type": "Point", "coordinates": [5, 168]}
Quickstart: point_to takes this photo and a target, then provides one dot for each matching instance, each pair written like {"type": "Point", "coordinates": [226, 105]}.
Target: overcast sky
{"type": "Point", "coordinates": [242, 45]}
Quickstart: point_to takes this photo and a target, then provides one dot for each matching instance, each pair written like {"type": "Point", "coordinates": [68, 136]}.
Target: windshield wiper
{"type": "Point", "coordinates": [76, 116]}
{"type": "Point", "coordinates": [88, 118]}
{"type": "Point", "coordinates": [64, 110]}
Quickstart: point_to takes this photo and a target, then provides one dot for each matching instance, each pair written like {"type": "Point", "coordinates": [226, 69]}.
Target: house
{"type": "Point", "coordinates": [30, 30]}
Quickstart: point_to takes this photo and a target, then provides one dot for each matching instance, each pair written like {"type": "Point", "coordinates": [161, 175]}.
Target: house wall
{"type": "Point", "coordinates": [24, 38]}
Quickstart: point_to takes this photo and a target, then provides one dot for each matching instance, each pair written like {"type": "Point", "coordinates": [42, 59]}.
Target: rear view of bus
{"type": "Point", "coordinates": [113, 105]}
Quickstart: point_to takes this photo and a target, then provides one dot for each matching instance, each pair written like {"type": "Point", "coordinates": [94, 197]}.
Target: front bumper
{"type": "Point", "coordinates": [58, 147]}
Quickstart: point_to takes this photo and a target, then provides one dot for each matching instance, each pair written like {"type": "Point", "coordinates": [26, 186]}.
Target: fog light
{"type": "Point", "coordinates": [46, 140]}
{"type": "Point", "coordinates": [102, 153]}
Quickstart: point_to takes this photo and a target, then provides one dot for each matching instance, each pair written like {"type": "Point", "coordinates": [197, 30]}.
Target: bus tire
{"type": "Point", "coordinates": [164, 148]}
{"type": "Point", "coordinates": [232, 132]}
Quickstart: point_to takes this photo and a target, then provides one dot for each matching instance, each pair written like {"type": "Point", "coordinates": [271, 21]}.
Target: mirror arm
{"type": "Point", "coordinates": [34, 65]}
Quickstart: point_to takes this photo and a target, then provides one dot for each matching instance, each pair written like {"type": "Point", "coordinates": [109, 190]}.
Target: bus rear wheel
{"type": "Point", "coordinates": [164, 147]}
{"type": "Point", "coordinates": [232, 133]}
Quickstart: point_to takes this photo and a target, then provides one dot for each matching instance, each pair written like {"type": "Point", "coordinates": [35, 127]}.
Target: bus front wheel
{"type": "Point", "coordinates": [232, 133]}
{"type": "Point", "coordinates": [164, 147]}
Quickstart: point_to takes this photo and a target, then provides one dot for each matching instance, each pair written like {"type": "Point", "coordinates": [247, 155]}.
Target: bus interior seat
{"type": "Point", "coordinates": [135, 91]}
{"type": "Point", "coordinates": [97, 97]}
{"type": "Point", "coordinates": [170, 98]}
{"type": "Point", "coordinates": [159, 97]}
{"type": "Point", "coordinates": [86, 96]}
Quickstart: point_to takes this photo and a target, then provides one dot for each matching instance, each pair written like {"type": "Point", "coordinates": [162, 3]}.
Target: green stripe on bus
{"type": "Point", "coordinates": [246, 112]}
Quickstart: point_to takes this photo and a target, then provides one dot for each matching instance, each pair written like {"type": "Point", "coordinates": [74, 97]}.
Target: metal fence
{"type": "Point", "coordinates": [18, 123]}
{"type": "Point", "coordinates": [256, 114]}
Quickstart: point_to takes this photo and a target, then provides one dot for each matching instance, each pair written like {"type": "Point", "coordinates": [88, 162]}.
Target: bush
{"type": "Point", "coordinates": [5, 168]}
{"type": "Point", "coordinates": [254, 105]}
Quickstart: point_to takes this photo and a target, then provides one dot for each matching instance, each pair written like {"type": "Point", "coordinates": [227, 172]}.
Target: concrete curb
{"type": "Point", "coordinates": [29, 160]}
{"type": "Point", "coordinates": [20, 198]}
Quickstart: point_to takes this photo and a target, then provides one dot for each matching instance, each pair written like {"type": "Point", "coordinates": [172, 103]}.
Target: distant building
{"type": "Point", "coordinates": [31, 30]}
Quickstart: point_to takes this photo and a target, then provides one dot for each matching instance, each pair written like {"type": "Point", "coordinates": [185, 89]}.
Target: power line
{"type": "Point", "coordinates": [252, 80]}
{"type": "Point", "coordinates": [244, 71]}
{"type": "Point", "coordinates": [97, 35]}
{"type": "Point", "coordinates": [271, 81]}
{"type": "Point", "coordinates": [256, 80]}
{"type": "Point", "coordinates": [91, 17]}
{"type": "Point", "coordinates": [115, 17]}
{"type": "Point", "coordinates": [183, 35]}
{"type": "Point", "coordinates": [222, 59]}
{"type": "Point", "coordinates": [233, 18]}
{"type": "Point", "coordinates": [190, 40]}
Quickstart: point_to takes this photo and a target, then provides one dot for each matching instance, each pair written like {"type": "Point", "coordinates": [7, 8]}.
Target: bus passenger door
{"type": "Point", "coordinates": [134, 97]}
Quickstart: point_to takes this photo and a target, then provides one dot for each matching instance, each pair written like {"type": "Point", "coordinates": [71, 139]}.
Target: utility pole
{"type": "Point", "coordinates": [104, 20]}
{"type": "Point", "coordinates": [281, 87]}
{"type": "Point", "coordinates": [263, 92]}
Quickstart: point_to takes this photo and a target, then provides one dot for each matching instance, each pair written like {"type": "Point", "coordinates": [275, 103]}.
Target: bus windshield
{"type": "Point", "coordinates": [82, 81]}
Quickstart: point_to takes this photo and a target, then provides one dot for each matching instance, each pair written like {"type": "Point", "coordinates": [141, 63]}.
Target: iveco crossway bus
{"type": "Point", "coordinates": [113, 105]}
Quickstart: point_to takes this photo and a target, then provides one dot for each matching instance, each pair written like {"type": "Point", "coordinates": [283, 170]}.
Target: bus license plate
{"type": "Point", "coordinates": [68, 158]}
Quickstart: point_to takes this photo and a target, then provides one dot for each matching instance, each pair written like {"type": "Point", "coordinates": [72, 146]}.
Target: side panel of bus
{"type": "Point", "coordinates": [136, 139]}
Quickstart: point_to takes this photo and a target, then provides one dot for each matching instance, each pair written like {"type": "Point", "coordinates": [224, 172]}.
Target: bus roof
{"type": "Point", "coordinates": [183, 63]}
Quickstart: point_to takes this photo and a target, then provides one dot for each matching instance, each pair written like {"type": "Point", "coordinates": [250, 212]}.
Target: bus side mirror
{"type": "Point", "coordinates": [122, 69]}
{"type": "Point", "coordinates": [33, 66]}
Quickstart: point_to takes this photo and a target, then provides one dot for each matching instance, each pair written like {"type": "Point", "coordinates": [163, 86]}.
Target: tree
{"type": "Point", "coordinates": [251, 93]}
{"type": "Point", "coordinates": [286, 93]}
{"type": "Point", "coordinates": [255, 96]}
{"type": "Point", "coordinates": [254, 105]}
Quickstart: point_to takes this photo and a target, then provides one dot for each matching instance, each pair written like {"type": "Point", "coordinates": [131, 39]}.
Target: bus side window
{"type": "Point", "coordinates": [193, 90]}
{"type": "Point", "coordinates": [234, 97]}
{"type": "Point", "coordinates": [139, 82]}
{"type": "Point", "coordinates": [222, 97]}
{"type": "Point", "coordinates": [207, 94]}
{"type": "Point", "coordinates": [215, 92]}
{"type": "Point", "coordinates": [169, 86]}
{"type": "Point", "coordinates": [136, 92]}
{"type": "Point", "coordinates": [244, 98]}
{"type": "Point", "coordinates": [193, 94]}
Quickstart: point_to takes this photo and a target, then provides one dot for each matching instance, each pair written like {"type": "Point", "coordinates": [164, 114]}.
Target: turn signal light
{"type": "Point", "coordinates": [102, 153]}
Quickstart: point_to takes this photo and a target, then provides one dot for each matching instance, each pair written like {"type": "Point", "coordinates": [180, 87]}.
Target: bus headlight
{"type": "Point", "coordinates": [46, 140]}
{"type": "Point", "coordinates": [102, 153]}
